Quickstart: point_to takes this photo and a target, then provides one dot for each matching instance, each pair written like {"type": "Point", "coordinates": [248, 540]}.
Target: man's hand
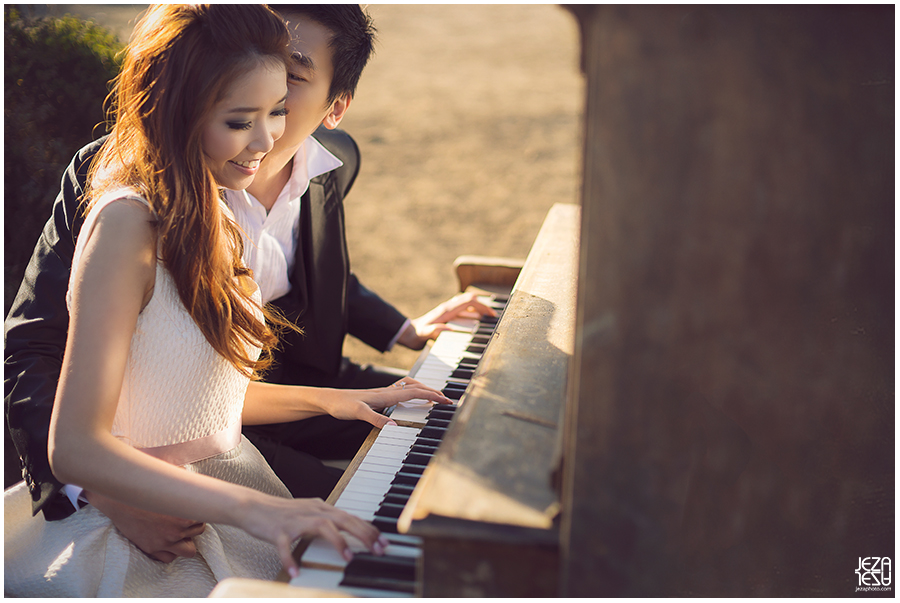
{"type": "Point", "coordinates": [431, 324]}
{"type": "Point", "coordinates": [161, 537]}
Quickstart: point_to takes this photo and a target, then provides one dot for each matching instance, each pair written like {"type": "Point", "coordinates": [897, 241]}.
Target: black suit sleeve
{"type": "Point", "coordinates": [35, 339]}
{"type": "Point", "coordinates": [372, 320]}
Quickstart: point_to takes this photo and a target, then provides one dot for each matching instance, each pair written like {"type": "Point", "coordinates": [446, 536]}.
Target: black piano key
{"type": "Point", "coordinates": [417, 458]}
{"type": "Point", "coordinates": [482, 339]}
{"type": "Point", "coordinates": [412, 469]}
{"type": "Point", "coordinates": [462, 373]}
{"type": "Point", "coordinates": [386, 524]}
{"type": "Point", "coordinates": [423, 441]}
{"type": "Point", "coordinates": [435, 433]}
{"type": "Point", "coordinates": [453, 393]}
{"type": "Point", "coordinates": [469, 359]}
{"type": "Point", "coordinates": [385, 572]}
{"type": "Point", "coordinates": [451, 385]}
{"type": "Point", "coordinates": [400, 490]}
{"type": "Point", "coordinates": [396, 499]}
{"type": "Point", "coordinates": [424, 450]}
{"type": "Point", "coordinates": [441, 413]}
{"type": "Point", "coordinates": [476, 348]}
{"type": "Point", "coordinates": [459, 384]}
{"type": "Point", "coordinates": [389, 509]}
{"type": "Point", "coordinates": [407, 479]}
{"type": "Point", "coordinates": [435, 422]}
{"type": "Point", "coordinates": [492, 320]}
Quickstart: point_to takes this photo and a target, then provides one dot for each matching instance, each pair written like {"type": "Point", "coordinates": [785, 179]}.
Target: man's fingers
{"type": "Point", "coordinates": [163, 556]}
{"type": "Point", "coordinates": [469, 302]}
{"type": "Point", "coordinates": [194, 529]}
{"type": "Point", "coordinates": [184, 548]}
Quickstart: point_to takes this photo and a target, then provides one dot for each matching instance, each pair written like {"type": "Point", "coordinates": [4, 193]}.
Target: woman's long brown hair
{"type": "Point", "coordinates": [178, 65]}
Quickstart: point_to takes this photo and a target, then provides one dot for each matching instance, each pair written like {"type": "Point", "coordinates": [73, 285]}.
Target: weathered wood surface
{"type": "Point", "coordinates": [732, 428]}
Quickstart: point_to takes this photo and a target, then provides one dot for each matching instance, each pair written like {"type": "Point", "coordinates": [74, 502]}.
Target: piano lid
{"type": "Point", "coordinates": [493, 469]}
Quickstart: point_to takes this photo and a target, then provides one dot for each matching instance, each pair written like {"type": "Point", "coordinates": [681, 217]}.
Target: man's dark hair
{"type": "Point", "coordinates": [352, 40]}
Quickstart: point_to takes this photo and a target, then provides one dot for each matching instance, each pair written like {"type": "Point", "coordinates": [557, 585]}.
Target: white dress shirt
{"type": "Point", "coordinates": [270, 240]}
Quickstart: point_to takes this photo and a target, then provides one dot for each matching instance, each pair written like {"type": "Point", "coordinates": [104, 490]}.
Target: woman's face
{"type": "Point", "coordinates": [244, 125]}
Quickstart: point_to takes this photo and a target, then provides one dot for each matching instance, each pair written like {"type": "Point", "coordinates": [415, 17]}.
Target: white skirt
{"type": "Point", "coordinates": [84, 555]}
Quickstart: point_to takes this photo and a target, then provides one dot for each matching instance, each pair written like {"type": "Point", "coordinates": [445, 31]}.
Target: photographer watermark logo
{"type": "Point", "coordinates": [874, 574]}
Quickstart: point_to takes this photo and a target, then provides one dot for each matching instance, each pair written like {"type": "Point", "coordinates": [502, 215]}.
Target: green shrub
{"type": "Point", "coordinates": [56, 73]}
{"type": "Point", "coordinates": [56, 77]}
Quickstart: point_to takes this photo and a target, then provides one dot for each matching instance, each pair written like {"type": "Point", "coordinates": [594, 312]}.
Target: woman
{"type": "Point", "coordinates": [166, 330]}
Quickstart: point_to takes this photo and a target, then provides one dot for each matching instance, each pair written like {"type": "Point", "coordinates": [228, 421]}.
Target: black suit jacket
{"type": "Point", "coordinates": [326, 299]}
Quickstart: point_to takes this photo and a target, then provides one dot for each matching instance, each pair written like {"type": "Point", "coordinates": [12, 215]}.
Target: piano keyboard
{"type": "Point", "coordinates": [387, 476]}
{"type": "Point", "coordinates": [451, 361]}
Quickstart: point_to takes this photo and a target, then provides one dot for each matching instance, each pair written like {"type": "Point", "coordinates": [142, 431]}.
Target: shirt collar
{"type": "Point", "coordinates": [319, 160]}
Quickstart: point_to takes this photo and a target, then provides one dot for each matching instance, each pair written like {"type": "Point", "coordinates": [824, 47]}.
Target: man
{"type": "Point", "coordinates": [293, 218]}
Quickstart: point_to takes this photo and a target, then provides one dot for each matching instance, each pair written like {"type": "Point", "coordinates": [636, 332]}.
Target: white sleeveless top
{"type": "Point", "coordinates": [171, 370]}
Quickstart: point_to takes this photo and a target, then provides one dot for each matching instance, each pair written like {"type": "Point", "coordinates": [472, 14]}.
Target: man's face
{"type": "Point", "coordinates": [309, 78]}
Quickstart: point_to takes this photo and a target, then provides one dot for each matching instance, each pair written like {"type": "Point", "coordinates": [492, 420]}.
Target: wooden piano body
{"type": "Point", "coordinates": [486, 507]}
{"type": "Point", "coordinates": [728, 422]}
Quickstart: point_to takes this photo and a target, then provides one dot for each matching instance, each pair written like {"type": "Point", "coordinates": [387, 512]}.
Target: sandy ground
{"type": "Point", "coordinates": [469, 121]}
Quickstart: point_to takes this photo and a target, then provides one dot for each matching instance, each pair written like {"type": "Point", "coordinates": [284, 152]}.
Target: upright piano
{"type": "Point", "coordinates": [466, 494]}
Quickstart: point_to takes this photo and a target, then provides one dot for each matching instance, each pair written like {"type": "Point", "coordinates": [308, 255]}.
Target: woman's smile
{"type": "Point", "coordinates": [248, 168]}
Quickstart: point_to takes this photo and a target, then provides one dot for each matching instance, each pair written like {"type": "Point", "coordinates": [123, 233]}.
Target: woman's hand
{"type": "Point", "coordinates": [281, 521]}
{"type": "Point", "coordinates": [363, 404]}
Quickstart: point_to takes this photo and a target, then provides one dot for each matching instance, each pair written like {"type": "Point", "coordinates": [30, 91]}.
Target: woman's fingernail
{"type": "Point", "coordinates": [294, 572]}
{"type": "Point", "coordinates": [348, 555]}
{"type": "Point", "coordinates": [377, 548]}
{"type": "Point", "coordinates": [382, 539]}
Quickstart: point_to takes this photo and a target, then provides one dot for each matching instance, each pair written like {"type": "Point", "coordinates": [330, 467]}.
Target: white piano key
{"type": "Point", "coordinates": [376, 462]}
{"type": "Point", "coordinates": [373, 468]}
{"type": "Point", "coordinates": [373, 498]}
{"type": "Point", "coordinates": [412, 414]}
{"type": "Point", "coordinates": [372, 481]}
{"type": "Point", "coordinates": [320, 579]}
{"type": "Point", "coordinates": [327, 580]}
{"type": "Point", "coordinates": [389, 452]}
{"type": "Point", "coordinates": [364, 514]}
{"type": "Point", "coordinates": [398, 432]}
{"type": "Point", "coordinates": [354, 506]}
{"type": "Point", "coordinates": [463, 325]}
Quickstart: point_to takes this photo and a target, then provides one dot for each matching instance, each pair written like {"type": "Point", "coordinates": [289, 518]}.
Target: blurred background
{"type": "Point", "coordinates": [468, 118]}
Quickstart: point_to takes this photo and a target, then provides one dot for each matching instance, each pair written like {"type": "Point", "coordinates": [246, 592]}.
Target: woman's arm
{"type": "Point", "coordinates": [273, 403]}
{"type": "Point", "coordinates": [115, 280]}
